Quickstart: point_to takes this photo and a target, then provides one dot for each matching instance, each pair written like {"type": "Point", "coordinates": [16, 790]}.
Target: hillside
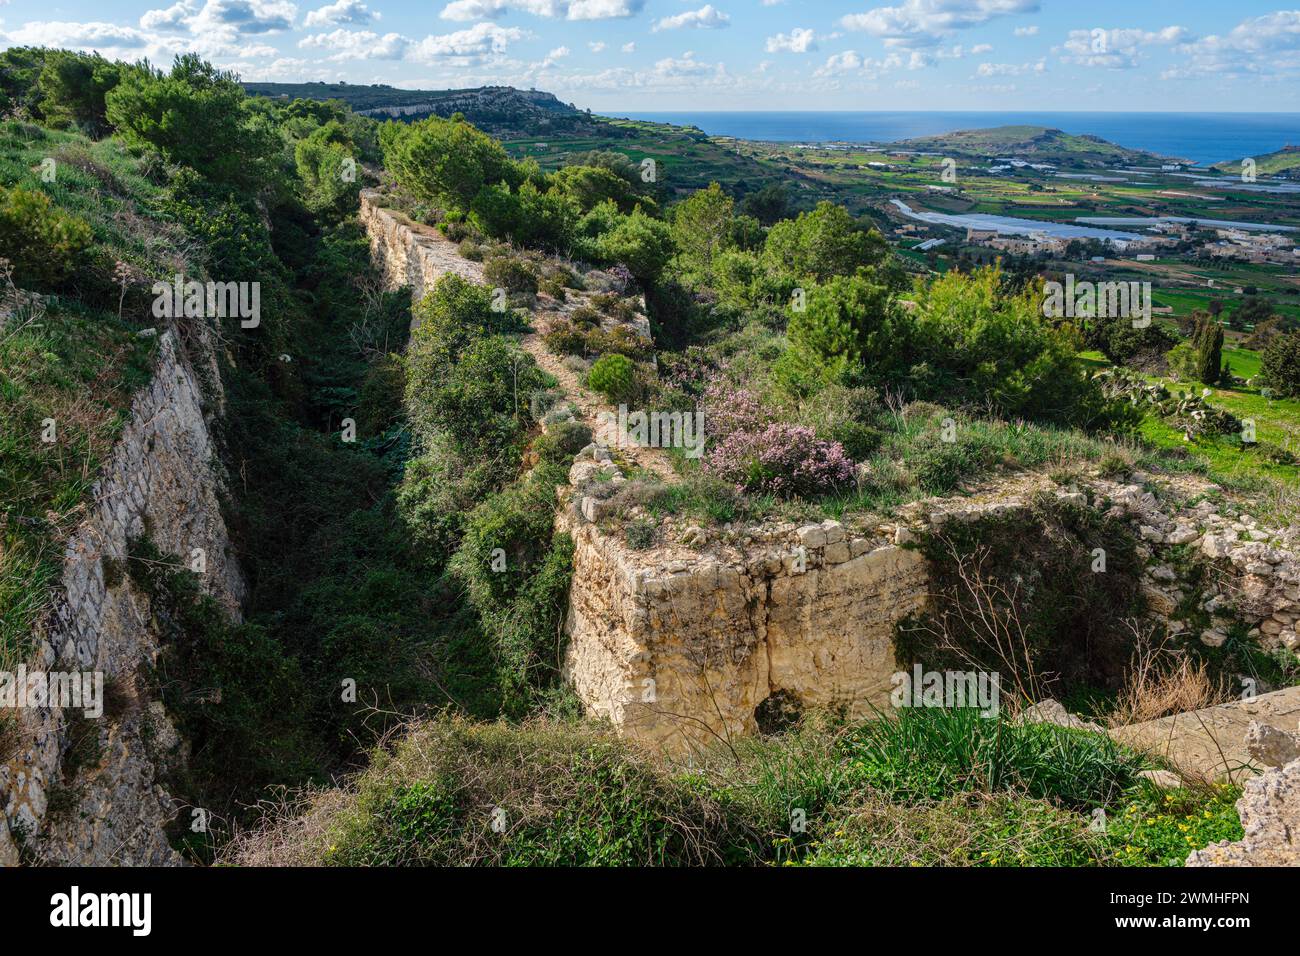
{"type": "Point", "coordinates": [501, 110]}
{"type": "Point", "coordinates": [1039, 142]}
{"type": "Point", "coordinates": [1284, 161]}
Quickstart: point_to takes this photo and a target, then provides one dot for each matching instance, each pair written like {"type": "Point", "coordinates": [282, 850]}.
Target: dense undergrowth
{"type": "Point", "coordinates": [930, 787]}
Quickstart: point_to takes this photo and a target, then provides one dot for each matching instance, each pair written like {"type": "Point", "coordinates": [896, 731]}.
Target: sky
{"type": "Point", "coordinates": [685, 55]}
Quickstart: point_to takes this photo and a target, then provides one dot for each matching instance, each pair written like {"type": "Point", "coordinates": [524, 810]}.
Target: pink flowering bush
{"type": "Point", "coordinates": [747, 447]}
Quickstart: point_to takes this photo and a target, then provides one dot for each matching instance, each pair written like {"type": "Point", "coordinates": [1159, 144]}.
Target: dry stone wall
{"type": "Point", "coordinates": [162, 479]}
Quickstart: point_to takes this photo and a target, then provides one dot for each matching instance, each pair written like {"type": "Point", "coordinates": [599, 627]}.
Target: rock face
{"type": "Point", "coordinates": [681, 655]}
{"type": "Point", "coordinates": [409, 254]}
{"type": "Point", "coordinates": [1270, 813]}
{"type": "Point", "coordinates": [1215, 741]}
{"type": "Point", "coordinates": [162, 479]}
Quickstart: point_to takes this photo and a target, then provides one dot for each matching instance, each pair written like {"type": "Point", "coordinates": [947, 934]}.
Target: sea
{"type": "Point", "coordinates": [1203, 138]}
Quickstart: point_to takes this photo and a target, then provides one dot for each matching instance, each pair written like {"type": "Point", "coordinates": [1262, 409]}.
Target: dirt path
{"type": "Point", "coordinates": [589, 406]}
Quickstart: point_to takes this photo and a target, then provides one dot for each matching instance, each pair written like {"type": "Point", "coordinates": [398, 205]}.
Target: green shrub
{"type": "Point", "coordinates": [563, 795]}
{"type": "Point", "coordinates": [42, 242]}
{"type": "Point", "coordinates": [445, 161]}
{"type": "Point", "coordinates": [198, 116]}
{"type": "Point", "coordinates": [615, 377]}
{"type": "Point", "coordinates": [821, 244]}
{"type": "Point", "coordinates": [562, 441]}
{"type": "Point", "coordinates": [1280, 365]}
{"type": "Point", "coordinates": [643, 244]}
{"type": "Point", "coordinates": [510, 273]}
{"type": "Point", "coordinates": [1017, 593]}
{"type": "Point", "coordinates": [482, 401]}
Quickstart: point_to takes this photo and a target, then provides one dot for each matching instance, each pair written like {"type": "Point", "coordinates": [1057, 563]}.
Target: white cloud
{"type": "Point", "coordinates": [707, 17]}
{"type": "Point", "coordinates": [927, 22]}
{"type": "Point", "coordinates": [475, 44]}
{"type": "Point", "coordinates": [800, 40]}
{"type": "Point", "coordinates": [1010, 69]}
{"type": "Point", "coordinates": [1026, 31]}
{"type": "Point", "coordinates": [555, 56]}
{"type": "Point", "coordinates": [94, 35]}
{"type": "Point", "coordinates": [344, 11]}
{"type": "Point", "coordinates": [359, 45]}
{"type": "Point", "coordinates": [1117, 49]}
{"type": "Point", "coordinates": [243, 17]}
{"type": "Point", "coordinates": [550, 9]}
{"type": "Point", "coordinates": [1267, 45]}
{"type": "Point", "coordinates": [130, 43]}
{"type": "Point", "coordinates": [629, 47]}
{"type": "Point", "coordinates": [849, 62]}
{"type": "Point", "coordinates": [596, 46]}
{"type": "Point", "coordinates": [175, 17]}
{"type": "Point", "coordinates": [480, 40]}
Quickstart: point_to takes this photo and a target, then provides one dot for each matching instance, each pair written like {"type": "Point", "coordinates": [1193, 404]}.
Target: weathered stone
{"type": "Point", "coordinates": [1271, 746]}
{"type": "Point", "coordinates": [1270, 815]}
{"type": "Point", "coordinates": [1051, 711]}
{"type": "Point", "coordinates": [162, 469]}
{"type": "Point", "coordinates": [1164, 779]}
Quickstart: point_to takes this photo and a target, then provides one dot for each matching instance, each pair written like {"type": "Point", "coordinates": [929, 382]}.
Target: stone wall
{"type": "Point", "coordinates": [161, 479]}
{"type": "Point", "coordinates": [408, 254]}
{"type": "Point", "coordinates": [679, 647]}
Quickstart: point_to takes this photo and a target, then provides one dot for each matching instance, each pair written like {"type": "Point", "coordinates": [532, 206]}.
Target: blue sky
{"type": "Point", "coordinates": [644, 55]}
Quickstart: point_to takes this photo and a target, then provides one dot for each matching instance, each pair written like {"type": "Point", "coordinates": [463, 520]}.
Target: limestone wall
{"type": "Point", "coordinates": [162, 479]}
{"type": "Point", "coordinates": [409, 254]}
{"type": "Point", "coordinates": [679, 648]}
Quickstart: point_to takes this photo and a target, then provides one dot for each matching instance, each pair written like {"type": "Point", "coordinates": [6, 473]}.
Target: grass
{"type": "Point", "coordinates": [78, 368]}
{"type": "Point", "coordinates": [929, 786]}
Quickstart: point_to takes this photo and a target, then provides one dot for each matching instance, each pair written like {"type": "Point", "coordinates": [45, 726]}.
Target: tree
{"type": "Point", "coordinates": [1280, 365]}
{"type": "Point", "coordinates": [822, 243]}
{"type": "Point", "coordinates": [195, 116]}
{"type": "Point", "coordinates": [639, 242]}
{"type": "Point", "coordinates": [589, 186]}
{"type": "Point", "coordinates": [848, 325]}
{"type": "Point", "coordinates": [769, 205]}
{"type": "Point", "coordinates": [73, 88]}
{"type": "Point", "coordinates": [702, 226]}
{"type": "Point", "coordinates": [327, 166]}
{"type": "Point", "coordinates": [1207, 339]}
{"type": "Point", "coordinates": [447, 161]}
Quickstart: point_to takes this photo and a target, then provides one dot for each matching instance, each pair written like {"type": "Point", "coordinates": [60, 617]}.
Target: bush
{"type": "Point", "coordinates": [42, 242]}
{"type": "Point", "coordinates": [642, 244]}
{"type": "Point", "coordinates": [1018, 594]}
{"type": "Point", "coordinates": [571, 796]}
{"type": "Point", "coordinates": [322, 160]}
{"type": "Point", "coordinates": [446, 161]}
{"type": "Point", "coordinates": [562, 441]}
{"type": "Point", "coordinates": [1280, 365]}
{"type": "Point", "coordinates": [782, 459]}
{"type": "Point", "coordinates": [615, 377]}
{"type": "Point", "coordinates": [1122, 344]}
{"type": "Point", "coordinates": [848, 325]}
{"type": "Point", "coordinates": [510, 273]}
{"type": "Point", "coordinates": [821, 244]}
{"type": "Point", "coordinates": [929, 753]}
{"type": "Point", "coordinates": [197, 116]}
{"type": "Point", "coordinates": [481, 402]}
